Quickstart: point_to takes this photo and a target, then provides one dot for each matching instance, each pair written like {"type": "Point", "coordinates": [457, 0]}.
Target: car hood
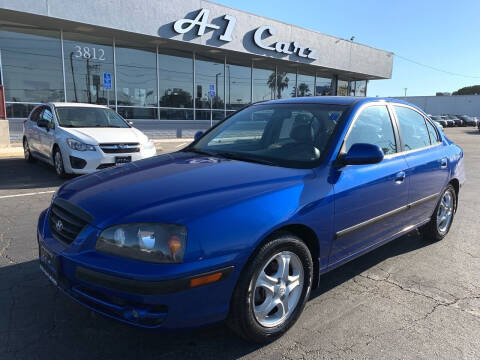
{"type": "Point", "coordinates": [178, 186]}
{"type": "Point", "coordinates": [95, 136]}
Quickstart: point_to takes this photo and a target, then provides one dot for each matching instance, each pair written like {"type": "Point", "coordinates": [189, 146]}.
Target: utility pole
{"type": "Point", "coordinates": [405, 89]}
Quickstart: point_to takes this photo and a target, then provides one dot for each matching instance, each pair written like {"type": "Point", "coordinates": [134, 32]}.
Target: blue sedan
{"type": "Point", "coordinates": [242, 223]}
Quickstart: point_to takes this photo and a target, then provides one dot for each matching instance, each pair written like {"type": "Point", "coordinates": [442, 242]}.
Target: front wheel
{"type": "Point", "coordinates": [272, 290]}
{"type": "Point", "coordinates": [58, 163]}
{"type": "Point", "coordinates": [442, 218]}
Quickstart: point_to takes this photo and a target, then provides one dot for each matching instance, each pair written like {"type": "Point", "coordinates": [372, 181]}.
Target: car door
{"type": "Point", "coordinates": [47, 134]}
{"type": "Point", "coordinates": [369, 199]}
{"type": "Point", "coordinates": [426, 159]}
{"type": "Point", "coordinates": [32, 131]}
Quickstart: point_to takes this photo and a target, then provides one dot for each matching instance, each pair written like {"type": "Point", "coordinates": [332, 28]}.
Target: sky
{"type": "Point", "coordinates": [442, 34]}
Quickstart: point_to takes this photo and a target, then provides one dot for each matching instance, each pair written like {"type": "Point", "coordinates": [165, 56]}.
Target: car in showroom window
{"type": "Point", "coordinates": [248, 218]}
{"type": "Point", "coordinates": [82, 138]}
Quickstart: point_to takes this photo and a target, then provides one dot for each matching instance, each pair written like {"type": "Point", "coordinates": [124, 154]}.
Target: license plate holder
{"type": "Point", "coordinates": [121, 160]}
{"type": "Point", "coordinates": [48, 263]}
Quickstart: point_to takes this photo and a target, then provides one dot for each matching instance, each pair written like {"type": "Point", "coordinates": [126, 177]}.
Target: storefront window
{"type": "Point", "coordinates": [238, 92]}
{"type": "Point", "coordinates": [136, 76]}
{"type": "Point", "coordinates": [286, 83]}
{"type": "Point", "coordinates": [175, 72]}
{"type": "Point", "coordinates": [351, 88]}
{"type": "Point", "coordinates": [88, 62]}
{"type": "Point", "coordinates": [209, 73]}
{"type": "Point", "coordinates": [306, 85]}
{"type": "Point", "coordinates": [361, 88]}
{"type": "Point", "coordinates": [32, 66]}
{"type": "Point", "coordinates": [324, 86]}
{"type": "Point", "coordinates": [342, 88]}
{"type": "Point", "coordinates": [263, 83]}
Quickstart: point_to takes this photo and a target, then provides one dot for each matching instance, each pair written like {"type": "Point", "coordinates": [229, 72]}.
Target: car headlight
{"type": "Point", "coordinates": [151, 242]}
{"type": "Point", "coordinates": [149, 145]}
{"type": "Point", "coordinates": [79, 146]}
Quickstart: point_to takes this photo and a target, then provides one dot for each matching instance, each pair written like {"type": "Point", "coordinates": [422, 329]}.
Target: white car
{"type": "Point", "coordinates": [82, 138]}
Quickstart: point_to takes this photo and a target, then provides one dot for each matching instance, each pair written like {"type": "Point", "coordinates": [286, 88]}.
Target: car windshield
{"type": "Point", "coordinates": [85, 117]}
{"type": "Point", "coordinates": [288, 135]}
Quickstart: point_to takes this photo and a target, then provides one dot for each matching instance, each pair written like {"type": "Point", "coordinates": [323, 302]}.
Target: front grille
{"type": "Point", "coordinates": [67, 220]}
{"type": "Point", "coordinates": [121, 148]}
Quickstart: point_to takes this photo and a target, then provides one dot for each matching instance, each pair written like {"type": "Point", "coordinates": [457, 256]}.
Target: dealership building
{"type": "Point", "coordinates": [175, 64]}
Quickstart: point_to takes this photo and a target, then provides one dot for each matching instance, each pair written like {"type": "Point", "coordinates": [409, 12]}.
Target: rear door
{"type": "Point", "coordinates": [370, 200]}
{"type": "Point", "coordinates": [32, 131]}
{"type": "Point", "coordinates": [427, 161]}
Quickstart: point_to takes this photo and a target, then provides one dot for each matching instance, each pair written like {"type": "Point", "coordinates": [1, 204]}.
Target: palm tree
{"type": "Point", "coordinates": [281, 82]}
{"type": "Point", "coordinates": [304, 90]}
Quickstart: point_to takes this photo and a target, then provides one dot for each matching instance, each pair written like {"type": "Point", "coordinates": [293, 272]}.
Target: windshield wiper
{"type": "Point", "coordinates": [201, 152]}
{"type": "Point", "coordinates": [242, 157]}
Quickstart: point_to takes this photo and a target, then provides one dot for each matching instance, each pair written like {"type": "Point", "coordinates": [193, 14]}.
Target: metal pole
{"type": "Point", "coordinates": [225, 87]}
{"type": "Point", "coordinates": [63, 68]}
{"type": "Point", "coordinates": [115, 74]}
{"type": "Point", "coordinates": [211, 111]}
{"type": "Point", "coordinates": [158, 82]}
{"type": "Point", "coordinates": [194, 87]}
{"type": "Point", "coordinates": [251, 82]}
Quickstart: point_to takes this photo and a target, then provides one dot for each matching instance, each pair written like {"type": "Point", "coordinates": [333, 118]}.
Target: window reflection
{"type": "Point", "coordinates": [361, 88]}
{"type": "Point", "coordinates": [306, 85]}
{"type": "Point", "coordinates": [238, 86]}
{"type": "Point", "coordinates": [136, 76]}
{"type": "Point", "coordinates": [342, 88]}
{"type": "Point", "coordinates": [87, 59]}
{"type": "Point", "coordinates": [263, 83]}
{"type": "Point", "coordinates": [208, 72]}
{"type": "Point", "coordinates": [175, 72]}
{"type": "Point", "coordinates": [323, 86]}
{"type": "Point", "coordinates": [286, 83]}
{"type": "Point", "coordinates": [32, 65]}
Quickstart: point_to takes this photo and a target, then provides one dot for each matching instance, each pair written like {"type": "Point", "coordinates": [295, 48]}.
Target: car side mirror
{"type": "Point", "coordinates": [198, 135]}
{"type": "Point", "coordinates": [42, 123]}
{"type": "Point", "coordinates": [130, 123]}
{"type": "Point", "coordinates": [362, 154]}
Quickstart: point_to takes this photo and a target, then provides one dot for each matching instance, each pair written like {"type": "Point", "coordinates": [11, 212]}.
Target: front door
{"type": "Point", "coordinates": [47, 134]}
{"type": "Point", "coordinates": [370, 200]}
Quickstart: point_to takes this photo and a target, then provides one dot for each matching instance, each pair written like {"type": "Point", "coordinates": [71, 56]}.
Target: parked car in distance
{"type": "Point", "coordinates": [439, 120]}
{"type": "Point", "coordinates": [456, 120]}
{"type": "Point", "coordinates": [450, 122]}
{"type": "Point", "coordinates": [468, 120]}
{"type": "Point", "coordinates": [82, 138]}
{"type": "Point", "coordinates": [242, 223]}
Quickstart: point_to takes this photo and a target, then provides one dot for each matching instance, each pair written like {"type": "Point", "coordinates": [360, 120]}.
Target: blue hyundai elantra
{"type": "Point", "coordinates": [242, 223]}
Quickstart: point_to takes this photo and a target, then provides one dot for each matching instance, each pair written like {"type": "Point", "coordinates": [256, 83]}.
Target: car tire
{"type": "Point", "coordinates": [58, 164]}
{"type": "Point", "coordinates": [263, 284]}
{"type": "Point", "coordinates": [442, 217]}
{"type": "Point", "coordinates": [26, 151]}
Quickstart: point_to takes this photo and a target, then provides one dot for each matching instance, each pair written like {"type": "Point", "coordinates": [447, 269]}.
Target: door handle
{"type": "Point", "coordinates": [443, 163]}
{"type": "Point", "coordinates": [400, 177]}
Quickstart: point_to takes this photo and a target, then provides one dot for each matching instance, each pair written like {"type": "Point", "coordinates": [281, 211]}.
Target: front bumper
{"type": "Point", "coordinates": [163, 300]}
{"type": "Point", "coordinates": [96, 160]}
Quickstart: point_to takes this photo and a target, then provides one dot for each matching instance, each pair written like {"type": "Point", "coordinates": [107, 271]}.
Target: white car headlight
{"type": "Point", "coordinates": [79, 146]}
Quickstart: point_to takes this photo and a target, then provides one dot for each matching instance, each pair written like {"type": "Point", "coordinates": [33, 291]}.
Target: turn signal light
{"type": "Point", "coordinates": [207, 279]}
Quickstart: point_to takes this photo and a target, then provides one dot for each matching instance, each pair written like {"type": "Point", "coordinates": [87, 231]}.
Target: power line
{"type": "Point", "coordinates": [437, 69]}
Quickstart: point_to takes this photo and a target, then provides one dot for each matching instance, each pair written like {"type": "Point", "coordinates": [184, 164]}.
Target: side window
{"type": "Point", "coordinates": [373, 126]}
{"type": "Point", "coordinates": [412, 128]}
{"type": "Point", "coordinates": [36, 114]}
{"type": "Point", "coordinates": [47, 115]}
{"type": "Point", "coordinates": [433, 133]}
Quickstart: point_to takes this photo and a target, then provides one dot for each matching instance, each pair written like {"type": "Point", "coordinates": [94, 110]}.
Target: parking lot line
{"type": "Point", "coordinates": [27, 194]}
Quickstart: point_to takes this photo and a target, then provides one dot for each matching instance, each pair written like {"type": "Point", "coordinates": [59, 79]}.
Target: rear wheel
{"type": "Point", "coordinates": [26, 151]}
{"type": "Point", "coordinates": [58, 163]}
{"type": "Point", "coordinates": [442, 218]}
{"type": "Point", "coordinates": [272, 290]}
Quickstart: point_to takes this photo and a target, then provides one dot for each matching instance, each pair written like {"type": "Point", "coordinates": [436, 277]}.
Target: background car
{"type": "Point", "coordinates": [469, 120]}
{"type": "Point", "coordinates": [456, 120]}
{"type": "Point", "coordinates": [82, 138]}
{"type": "Point", "coordinates": [450, 122]}
{"type": "Point", "coordinates": [438, 119]}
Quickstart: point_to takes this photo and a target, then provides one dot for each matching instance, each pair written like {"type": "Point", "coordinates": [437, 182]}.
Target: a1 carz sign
{"type": "Point", "coordinates": [200, 22]}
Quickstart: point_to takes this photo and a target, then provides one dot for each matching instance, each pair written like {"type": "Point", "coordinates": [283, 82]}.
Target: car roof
{"type": "Point", "coordinates": [334, 100]}
{"type": "Point", "coordinates": [72, 104]}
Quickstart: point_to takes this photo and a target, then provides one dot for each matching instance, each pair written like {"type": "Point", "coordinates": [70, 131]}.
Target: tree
{"type": "Point", "coordinates": [304, 90]}
{"type": "Point", "coordinates": [282, 82]}
{"type": "Point", "coordinates": [468, 90]}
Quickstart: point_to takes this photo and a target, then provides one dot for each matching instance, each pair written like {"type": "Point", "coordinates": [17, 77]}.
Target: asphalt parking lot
{"type": "Point", "coordinates": [406, 300]}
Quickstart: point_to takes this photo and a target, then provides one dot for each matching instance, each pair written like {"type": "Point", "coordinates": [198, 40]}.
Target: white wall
{"type": "Point", "coordinates": [439, 105]}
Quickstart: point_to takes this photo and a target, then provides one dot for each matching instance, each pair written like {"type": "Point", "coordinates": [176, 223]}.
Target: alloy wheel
{"type": "Point", "coordinates": [278, 288]}
{"type": "Point", "coordinates": [445, 212]}
{"type": "Point", "coordinates": [58, 163]}
{"type": "Point", "coordinates": [26, 150]}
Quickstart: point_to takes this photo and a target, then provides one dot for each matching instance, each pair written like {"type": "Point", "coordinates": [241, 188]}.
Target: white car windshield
{"type": "Point", "coordinates": [82, 117]}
